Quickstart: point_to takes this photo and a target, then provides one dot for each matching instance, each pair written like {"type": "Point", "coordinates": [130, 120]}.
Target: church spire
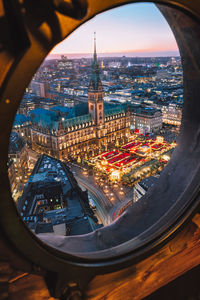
{"type": "Point", "coordinates": [95, 50]}
{"type": "Point", "coordinates": [95, 92]}
{"type": "Point", "coordinates": [95, 82]}
{"type": "Point", "coordinates": [95, 64]}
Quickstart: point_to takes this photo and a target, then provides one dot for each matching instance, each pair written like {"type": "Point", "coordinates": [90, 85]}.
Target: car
{"type": "Point", "coordinates": [91, 202]}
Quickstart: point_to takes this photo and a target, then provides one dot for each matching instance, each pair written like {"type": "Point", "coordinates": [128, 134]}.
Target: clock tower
{"type": "Point", "coordinates": [95, 92]}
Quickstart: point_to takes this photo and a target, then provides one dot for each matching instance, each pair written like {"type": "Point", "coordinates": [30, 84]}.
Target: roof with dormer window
{"type": "Point", "coordinates": [114, 111]}
{"type": "Point", "coordinates": [76, 121]}
{"type": "Point", "coordinates": [50, 120]}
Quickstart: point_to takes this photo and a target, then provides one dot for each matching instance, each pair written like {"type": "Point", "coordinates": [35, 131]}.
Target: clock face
{"type": "Point", "coordinates": [100, 106]}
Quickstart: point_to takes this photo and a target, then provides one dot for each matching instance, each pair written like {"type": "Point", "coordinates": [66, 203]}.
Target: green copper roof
{"type": "Point", "coordinates": [50, 120]}
{"type": "Point", "coordinates": [20, 119]}
{"type": "Point", "coordinates": [76, 121]}
{"type": "Point", "coordinates": [95, 81]}
{"type": "Point", "coordinates": [114, 111]}
{"type": "Point", "coordinates": [45, 118]}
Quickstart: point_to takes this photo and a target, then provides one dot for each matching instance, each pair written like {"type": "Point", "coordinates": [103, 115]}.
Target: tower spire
{"type": "Point", "coordinates": [95, 81]}
{"type": "Point", "coordinates": [95, 92]}
{"type": "Point", "coordinates": [95, 50]}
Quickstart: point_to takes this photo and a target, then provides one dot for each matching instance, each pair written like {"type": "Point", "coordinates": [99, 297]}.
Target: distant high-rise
{"type": "Point", "coordinates": [41, 89]}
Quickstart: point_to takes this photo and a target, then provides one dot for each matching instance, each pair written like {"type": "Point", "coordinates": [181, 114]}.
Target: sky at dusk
{"type": "Point", "coordinates": [131, 30]}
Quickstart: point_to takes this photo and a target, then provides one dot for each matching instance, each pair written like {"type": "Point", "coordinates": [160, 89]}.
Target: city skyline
{"type": "Point", "coordinates": [136, 30]}
{"type": "Point", "coordinates": [110, 133]}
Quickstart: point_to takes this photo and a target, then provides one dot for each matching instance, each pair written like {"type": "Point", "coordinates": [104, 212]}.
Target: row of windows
{"type": "Point", "coordinates": [114, 117]}
{"type": "Point", "coordinates": [76, 141]}
{"type": "Point", "coordinates": [24, 125]}
{"type": "Point", "coordinates": [109, 128]}
{"type": "Point", "coordinates": [61, 131]}
{"type": "Point", "coordinates": [76, 127]}
{"type": "Point", "coordinates": [121, 121]}
{"type": "Point", "coordinates": [176, 116]}
{"type": "Point", "coordinates": [46, 140]}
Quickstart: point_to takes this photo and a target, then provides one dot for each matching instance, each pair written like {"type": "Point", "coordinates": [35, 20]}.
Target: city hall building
{"type": "Point", "coordinates": [83, 130]}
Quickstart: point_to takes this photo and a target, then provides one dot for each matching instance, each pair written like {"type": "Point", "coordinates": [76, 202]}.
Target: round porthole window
{"type": "Point", "coordinates": [60, 190]}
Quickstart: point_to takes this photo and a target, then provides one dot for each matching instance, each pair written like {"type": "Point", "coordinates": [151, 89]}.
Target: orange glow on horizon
{"type": "Point", "coordinates": [133, 29]}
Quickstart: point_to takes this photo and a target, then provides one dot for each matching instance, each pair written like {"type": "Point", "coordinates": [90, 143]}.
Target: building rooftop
{"type": "Point", "coordinates": [20, 120]}
{"type": "Point", "coordinates": [118, 109]}
{"type": "Point", "coordinates": [147, 111]}
{"type": "Point", "coordinates": [95, 81]}
{"type": "Point", "coordinates": [52, 197]}
{"type": "Point", "coordinates": [50, 119]}
{"type": "Point", "coordinates": [44, 118]}
{"type": "Point", "coordinates": [16, 143]}
{"type": "Point", "coordinates": [148, 182]}
{"type": "Point", "coordinates": [64, 110]}
{"type": "Point", "coordinates": [76, 121]}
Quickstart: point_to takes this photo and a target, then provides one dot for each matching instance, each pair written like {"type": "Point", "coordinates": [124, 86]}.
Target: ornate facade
{"type": "Point", "coordinates": [81, 130]}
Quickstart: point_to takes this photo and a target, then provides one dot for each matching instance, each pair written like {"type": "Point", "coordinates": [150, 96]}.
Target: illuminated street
{"type": "Point", "coordinates": [108, 197]}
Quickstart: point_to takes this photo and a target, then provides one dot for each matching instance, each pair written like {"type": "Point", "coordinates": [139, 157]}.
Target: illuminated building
{"type": "Point", "coordinates": [86, 128]}
{"type": "Point", "coordinates": [22, 126]}
{"type": "Point", "coordinates": [40, 88]}
{"type": "Point", "coordinates": [115, 175]}
{"type": "Point", "coordinates": [146, 119]}
{"type": "Point", "coordinates": [11, 175]}
{"type": "Point", "coordinates": [114, 64]}
{"type": "Point", "coordinates": [172, 114]}
{"type": "Point", "coordinates": [65, 63]}
{"type": "Point", "coordinates": [163, 74]}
